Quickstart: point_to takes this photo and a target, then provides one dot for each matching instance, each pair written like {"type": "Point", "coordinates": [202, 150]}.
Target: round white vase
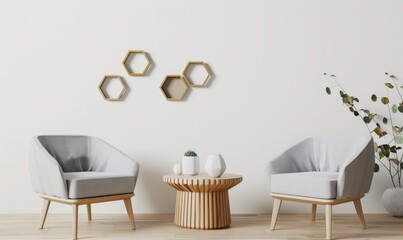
{"type": "Point", "coordinates": [392, 200]}
{"type": "Point", "coordinates": [190, 165]}
{"type": "Point", "coordinates": [215, 165]}
{"type": "Point", "coordinates": [177, 169]}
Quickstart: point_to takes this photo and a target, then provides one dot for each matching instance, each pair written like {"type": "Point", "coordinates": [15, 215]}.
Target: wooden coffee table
{"type": "Point", "coordinates": [202, 201]}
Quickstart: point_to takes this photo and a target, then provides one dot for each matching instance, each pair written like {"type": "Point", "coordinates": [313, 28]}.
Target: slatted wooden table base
{"type": "Point", "coordinates": [202, 202]}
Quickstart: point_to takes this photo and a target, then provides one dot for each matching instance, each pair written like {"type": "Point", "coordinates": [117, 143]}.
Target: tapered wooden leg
{"type": "Point", "coordinates": [274, 214]}
{"type": "Point", "coordinates": [45, 209]}
{"type": "Point", "coordinates": [329, 222]}
{"type": "Point", "coordinates": [314, 212]}
{"type": "Point", "coordinates": [358, 209]}
{"type": "Point", "coordinates": [89, 216]}
{"type": "Point", "coordinates": [129, 209]}
{"type": "Point", "coordinates": [75, 221]}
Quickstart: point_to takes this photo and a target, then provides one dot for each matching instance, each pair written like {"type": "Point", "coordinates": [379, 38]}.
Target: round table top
{"type": "Point", "coordinates": [202, 182]}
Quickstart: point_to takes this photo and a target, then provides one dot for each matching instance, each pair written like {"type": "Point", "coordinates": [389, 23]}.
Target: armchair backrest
{"type": "Point", "coordinates": [71, 152]}
{"type": "Point", "coordinates": [331, 153]}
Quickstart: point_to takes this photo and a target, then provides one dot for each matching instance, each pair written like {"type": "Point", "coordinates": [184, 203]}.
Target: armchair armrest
{"type": "Point", "coordinates": [355, 176]}
{"type": "Point", "coordinates": [46, 173]}
{"type": "Point", "coordinates": [298, 158]}
{"type": "Point", "coordinates": [106, 158]}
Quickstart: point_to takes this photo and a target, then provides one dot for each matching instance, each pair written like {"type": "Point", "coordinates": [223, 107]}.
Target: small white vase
{"type": "Point", "coordinates": [215, 165]}
{"type": "Point", "coordinates": [392, 200]}
{"type": "Point", "coordinates": [177, 169]}
{"type": "Point", "coordinates": [190, 165]}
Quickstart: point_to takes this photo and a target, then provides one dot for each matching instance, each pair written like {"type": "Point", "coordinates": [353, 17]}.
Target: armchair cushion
{"type": "Point", "coordinates": [94, 184]}
{"type": "Point", "coordinates": [306, 184]}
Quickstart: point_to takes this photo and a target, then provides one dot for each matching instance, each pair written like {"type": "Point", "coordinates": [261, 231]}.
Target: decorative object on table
{"type": "Point", "coordinates": [215, 165]}
{"type": "Point", "coordinates": [81, 170]}
{"type": "Point", "coordinates": [177, 169]}
{"type": "Point", "coordinates": [331, 171]}
{"type": "Point", "coordinates": [106, 80]}
{"type": "Point", "coordinates": [192, 67]}
{"type": "Point", "coordinates": [134, 69]}
{"type": "Point", "coordinates": [190, 163]}
{"type": "Point", "coordinates": [202, 202]}
{"type": "Point", "coordinates": [388, 135]}
{"type": "Point", "coordinates": [174, 87]}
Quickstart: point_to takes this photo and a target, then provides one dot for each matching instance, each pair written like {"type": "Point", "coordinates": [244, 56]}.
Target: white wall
{"type": "Point", "coordinates": [268, 92]}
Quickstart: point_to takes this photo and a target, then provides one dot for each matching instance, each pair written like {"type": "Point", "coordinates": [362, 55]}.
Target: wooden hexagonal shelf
{"type": "Point", "coordinates": [174, 87]}
{"type": "Point", "coordinates": [128, 60]}
{"type": "Point", "coordinates": [190, 66]}
{"type": "Point", "coordinates": [104, 84]}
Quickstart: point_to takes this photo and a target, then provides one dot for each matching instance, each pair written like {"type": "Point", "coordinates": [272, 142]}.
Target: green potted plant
{"type": "Point", "coordinates": [387, 134]}
{"type": "Point", "coordinates": [190, 163]}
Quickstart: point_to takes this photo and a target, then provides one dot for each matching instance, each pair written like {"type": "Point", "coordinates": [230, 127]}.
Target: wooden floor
{"type": "Point", "coordinates": [117, 226]}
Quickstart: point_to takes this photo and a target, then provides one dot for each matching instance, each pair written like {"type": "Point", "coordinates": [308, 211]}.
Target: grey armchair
{"type": "Point", "coordinates": [81, 170]}
{"type": "Point", "coordinates": [325, 171]}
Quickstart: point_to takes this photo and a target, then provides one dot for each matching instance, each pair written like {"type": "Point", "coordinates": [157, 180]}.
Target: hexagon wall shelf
{"type": "Point", "coordinates": [130, 57]}
{"type": "Point", "coordinates": [174, 87]}
{"type": "Point", "coordinates": [188, 70]}
{"type": "Point", "coordinates": [103, 85]}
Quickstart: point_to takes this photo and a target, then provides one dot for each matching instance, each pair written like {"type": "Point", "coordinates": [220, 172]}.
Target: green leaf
{"type": "Point", "coordinates": [385, 100]}
{"type": "Point", "coordinates": [367, 119]}
{"type": "Point", "coordinates": [356, 113]}
{"type": "Point", "coordinates": [385, 120]}
{"type": "Point", "coordinates": [398, 139]}
{"type": "Point", "coordinates": [378, 131]}
{"type": "Point", "coordinates": [374, 98]}
{"type": "Point", "coordinates": [345, 99]}
{"type": "Point", "coordinates": [400, 108]}
{"type": "Point", "coordinates": [341, 94]}
{"type": "Point", "coordinates": [394, 108]}
{"type": "Point", "coordinates": [328, 90]}
{"type": "Point", "coordinates": [389, 85]}
{"type": "Point", "coordinates": [376, 169]}
{"type": "Point", "coordinates": [385, 149]}
{"type": "Point", "coordinates": [351, 109]}
{"type": "Point", "coordinates": [381, 155]}
{"type": "Point", "coordinates": [375, 147]}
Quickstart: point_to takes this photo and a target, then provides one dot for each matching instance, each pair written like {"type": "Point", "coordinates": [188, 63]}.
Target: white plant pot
{"type": "Point", "coordinates": [177, 169]}
{"type": "Point", "coordinates": [190, 165]}
{"type": "Point", "coordinates": [215, 165]}
{"type": "Point", "coordinates": [392, 200]}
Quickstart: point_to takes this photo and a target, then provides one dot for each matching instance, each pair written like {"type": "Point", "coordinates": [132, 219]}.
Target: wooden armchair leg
{"type": "Point", "coordinates": [314, 211]}
{"type": "Point", "coordinates": [358, 209]}
{"type": "Point", "coordinates": [274, 214]}
{"type": "Point", "coordinates": [75, 221]}
{"type": "Point", "coordinates": [129, 209]}
{"type": "Point", "coordinates": [89, 214]}
{"type": "Point", "coordinates": [45, 209]}
{"type": "Point", "coordinates": [329, 221]}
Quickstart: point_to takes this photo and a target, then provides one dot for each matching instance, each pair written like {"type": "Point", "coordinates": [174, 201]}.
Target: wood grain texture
{"type": "Point", "coordinates": [75, 203]}
{"type": "Point", "coordinates": [317, 201]}
{"type": "Point", "coordinates": [45, 209]}
{"type": "Point", "coordinates": [202, 202]}
{"type": "Point", "coordinates": [360, 214]}
{"type": "Point", "coordinates": [313, 217]}
{"type": "Point", "coordinates": [159, 226]}
{"type": "Point", "coordinates": [276, 210]}
{"type": "Point", "coordinates": [89, 214]}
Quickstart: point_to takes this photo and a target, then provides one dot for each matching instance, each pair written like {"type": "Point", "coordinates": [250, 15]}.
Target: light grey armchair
{"type": "Point", "coordinates": [325, 171]}
{"type": "Point", "coordinates": [81, 170]}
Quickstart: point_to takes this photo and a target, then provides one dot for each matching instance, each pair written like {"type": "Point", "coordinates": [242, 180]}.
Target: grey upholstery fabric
{"type": "Point", "coordinates": [351, 157]}
{"type": "Point", "coordinates": [51, 157]}
{"type": "Point", "coordinates": [95, 184]}
{"type": "Point", "coordinates": [312, 184]}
